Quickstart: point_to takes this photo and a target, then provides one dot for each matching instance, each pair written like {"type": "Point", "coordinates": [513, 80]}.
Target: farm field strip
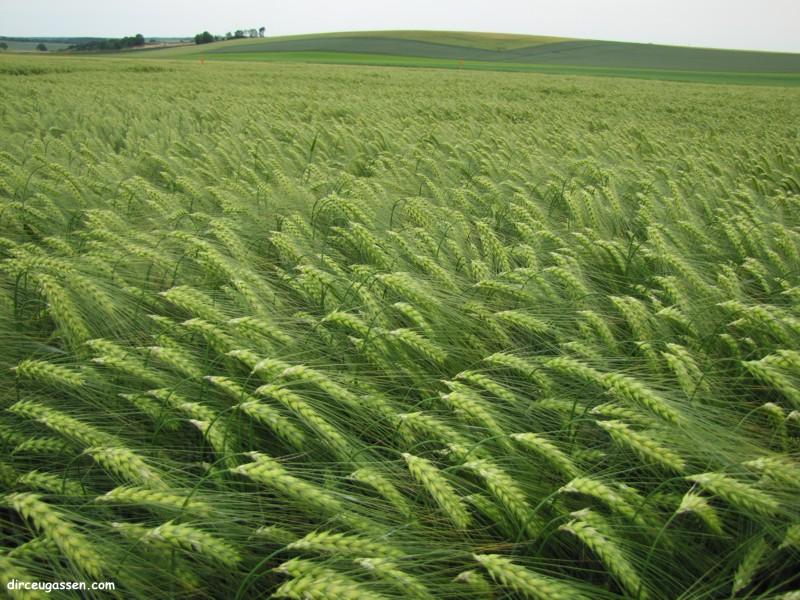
{"type": "Point", "coordinates": [378, 60]}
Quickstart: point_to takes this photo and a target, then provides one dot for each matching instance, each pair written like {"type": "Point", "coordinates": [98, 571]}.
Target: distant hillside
{"type": "Point", "coordinates": [28, 44]}
{"type": "Point", "coordinates": [505, 49]}
{"type": "Point", "coordinates": [52, 39]}
{"type": "Point", "coordinates": [462, 39]}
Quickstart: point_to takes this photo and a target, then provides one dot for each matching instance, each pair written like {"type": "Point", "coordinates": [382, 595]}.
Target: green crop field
{"type": "Point", "coordinates": [507, 53]}
{"type": "Point", "coordinates": [341, 332]}
{"type": "Point", "coordinates": [342, 58]}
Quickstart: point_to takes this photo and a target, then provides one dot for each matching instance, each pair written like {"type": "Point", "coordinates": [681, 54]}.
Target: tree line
{"type": "Point", "coordinates": [207, 38]}
{"type": "Point", "coordinates": [133, 41]}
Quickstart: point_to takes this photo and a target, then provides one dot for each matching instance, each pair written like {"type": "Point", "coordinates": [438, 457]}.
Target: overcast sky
{"type": "Point", "coordinates": [747, 24]}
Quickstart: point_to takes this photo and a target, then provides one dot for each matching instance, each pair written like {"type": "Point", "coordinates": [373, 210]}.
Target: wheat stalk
{"type": "Point", "coordinates": [528, 583]}
{"type": "Point", "coordinates": [426, 473]}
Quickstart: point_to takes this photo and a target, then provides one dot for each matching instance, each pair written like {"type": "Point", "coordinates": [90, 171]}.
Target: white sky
{"type": "Point", "coordinates": [746, 24]}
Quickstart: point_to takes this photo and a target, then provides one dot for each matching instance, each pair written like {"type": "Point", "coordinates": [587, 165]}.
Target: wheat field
{"type": "Point", "coordinates": [328, 332]}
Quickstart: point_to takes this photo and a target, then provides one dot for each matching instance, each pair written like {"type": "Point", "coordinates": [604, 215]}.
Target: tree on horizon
{"type": "Point", "coordinates": [203, 38]}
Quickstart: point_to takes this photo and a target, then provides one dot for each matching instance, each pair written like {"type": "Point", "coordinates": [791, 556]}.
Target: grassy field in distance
{"type": "Point", "coordinates": [508, 53]}
{"type": "Point", "coordinates": [343, 58]}
{"type": "Point", "coordinates": [492, 51]}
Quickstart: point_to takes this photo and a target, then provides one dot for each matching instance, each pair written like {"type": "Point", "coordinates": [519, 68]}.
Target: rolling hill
{"type": "Point", "coordinates": [30, 45]}
{"type": "Point", "coordinates": [342, 40]}
{"type": "Point", "coordinates": [509, 52]}
{"type": "Point", "coordinates": [524, 50]}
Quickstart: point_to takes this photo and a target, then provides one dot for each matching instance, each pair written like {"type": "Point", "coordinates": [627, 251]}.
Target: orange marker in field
{"type": "Point", "coordinates": [202, 60]}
